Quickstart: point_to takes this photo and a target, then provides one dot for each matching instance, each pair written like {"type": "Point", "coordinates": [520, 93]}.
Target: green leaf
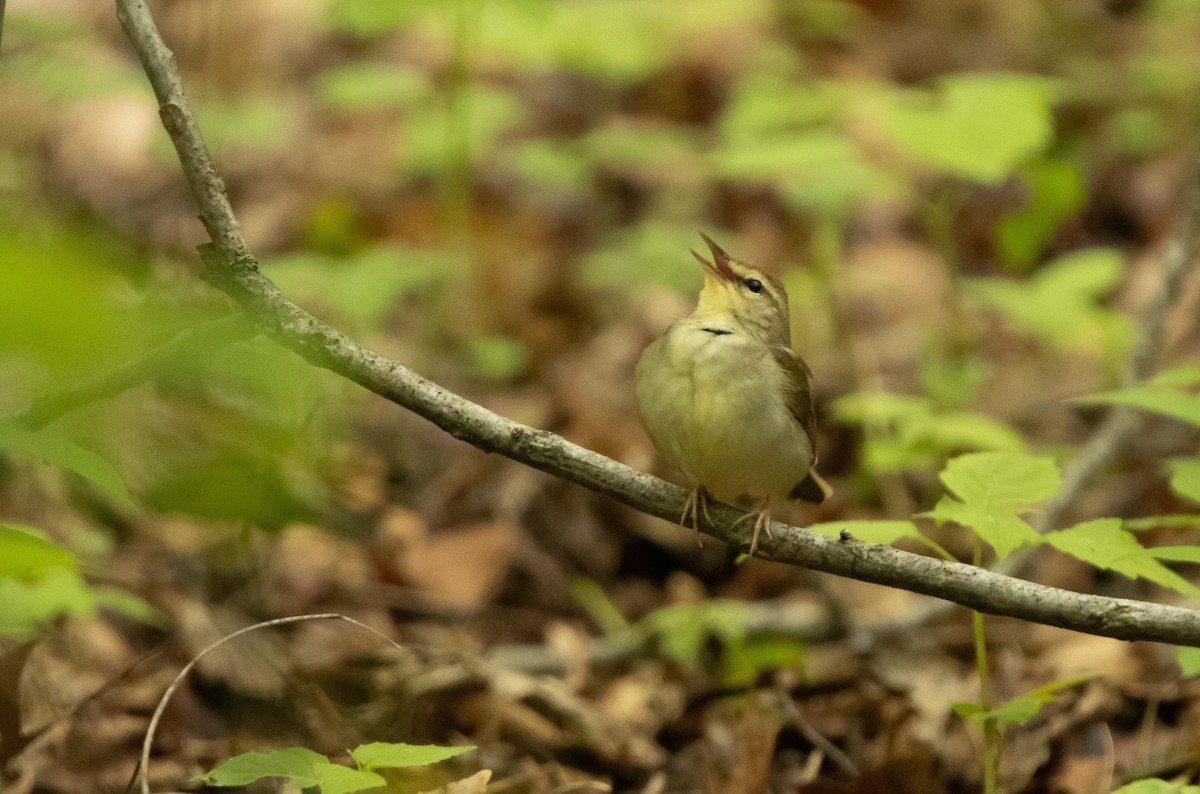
{"type": "Point", "coordinates": [1151, 397]}
{"type": "Point", "coordinates": [1001, 480]}
{"type": "Point", "coordinates": [978, 126]}
{"type": "Point", "coordinates": [1156, 786]}
{"type": "Point", "coordinates": [1019, 710]}
{"type": "Point", "coordinates": [43, 445]}
{"type": "Point", "coordinates": [1189, 661]}
{"type": "Point", "coordinates": [1104, 543]}
{"type": "Point", "coordinates": [989, 489]}
{"type": "Point", "coordinates": [498, 356]}
{"type": "Point", "coordinates": [25, 605]}
{"type": "Point", "coordinates": [682, 629]}
{"type": "Point", "coordinates": [372, 86]}
{"type": "Point", "coordinates": [1057, 192]}
{"type": "Point", "coordinates": [299, 765]}
{"type": "Point", "coordinates": [383, 754]}
{"type": "Point", "coordinates": [744, 661]}
{"type": "Point", "coordinates": [1004, 531]}
{"type": "Point", "coordinates": [1185, 477]}
{"type": "Point", "coordinates": [1181, 376]}
{"type": "Point", "coordinates": [26, 552]}
{"type": "Point", "coordinates": [1060, 304]}
{"type": "Point", "coordinates": [590, 596]}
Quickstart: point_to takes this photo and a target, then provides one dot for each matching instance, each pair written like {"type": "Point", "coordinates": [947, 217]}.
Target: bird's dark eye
{"type": "Point", "coordinates": [753, 284]}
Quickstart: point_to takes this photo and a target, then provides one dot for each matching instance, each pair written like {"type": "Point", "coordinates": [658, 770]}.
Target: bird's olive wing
{"type": "Point", "coordinates": [797, 392]}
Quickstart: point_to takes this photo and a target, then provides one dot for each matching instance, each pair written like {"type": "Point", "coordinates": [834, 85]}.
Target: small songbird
{"type": "Point", "coordinates": [726, 399]}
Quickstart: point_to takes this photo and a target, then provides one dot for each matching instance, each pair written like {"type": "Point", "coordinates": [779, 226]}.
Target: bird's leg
{"type": "Point", "coordinates": [696, 504]}
{"type": "Point", "coordinates": [762, 519]}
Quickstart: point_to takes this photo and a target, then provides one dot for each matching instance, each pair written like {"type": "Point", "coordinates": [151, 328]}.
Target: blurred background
{"type": "Point", "coordinates": [967, 200]}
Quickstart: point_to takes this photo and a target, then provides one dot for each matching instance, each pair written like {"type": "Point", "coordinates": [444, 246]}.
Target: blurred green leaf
{"type": "Point", "coordinates": [977, 126]}
{"type": "Point", "coordinates": [1056, 192]}
{"type": "Point", "coordinates": [590, 597]}
{"type": "Point", "coordinates": [27, 604]}
{"type": "Point", "coordinates": [1060, 304]}
{"type": "Point", "coordinates": [27, 553]}
{"type": "Point", "coordinates": [908, 434]}
{"type": "Point", "coordinates": [498, 356]}
{"type": "Point", "coordinates": [682, 629]}
{"type": "Point", "coordinates": [372, 86]}
{"type": "Point", "coordinates": [367, 18]}
{"type": "Point", "coordinates": [1185, 477]}
{"type": "Point", "coordinates": [1156, 786]}
{"type": "Point", "coordinates": [1022, 708]}
{"type": "Point", "coordinates": [1188, 660]}
{"type": "Point", "coordinates": [487, 113]}
{"type": "Point", "coordinates": [1152, 397]}
{"type": "Point", "coordinates": [364, 285]}
{"type": "Point", "coordinates": [742, 662]}
{"type": "Point", "coordinates": [1105, 544]}
{"type": "Point", "coordinates": [45, 446]}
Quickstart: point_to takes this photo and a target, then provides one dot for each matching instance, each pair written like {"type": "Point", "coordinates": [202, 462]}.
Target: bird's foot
{"type": "Point", "coordinates": [762, 520]}
{"type": "Point", "coordinates": [695, 506]}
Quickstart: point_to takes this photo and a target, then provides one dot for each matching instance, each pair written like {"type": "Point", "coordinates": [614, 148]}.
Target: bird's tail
{"type": "Point", "coordinates": [812, 488]}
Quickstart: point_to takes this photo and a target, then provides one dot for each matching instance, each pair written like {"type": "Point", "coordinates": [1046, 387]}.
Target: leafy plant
{"type": "Point", "coordinates": [910, 434]}
{"type": "Point", "coordinates": [1060, 304]}
{"type": "Point", "coordinates": [304, 768]}
{"type": "Point", "coordinates": [979, 127]}
{"type": "Point", "coordinates": [1020, 709]}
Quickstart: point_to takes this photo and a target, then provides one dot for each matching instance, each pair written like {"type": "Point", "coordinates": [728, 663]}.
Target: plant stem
{"type": "Point", "coordinates": [991, 738]}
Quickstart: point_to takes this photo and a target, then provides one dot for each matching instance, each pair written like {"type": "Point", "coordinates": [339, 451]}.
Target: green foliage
{"type": "Point", "coordinates": [978, 126]}
{"type": "Point", "coordinates": [384, 754]}
{"type": "Point", "coordinates": [1185, 477]}
{"type": "Point", "coordinates": [1164, 394]}
{"type": "Point", "coordinates": [1061, 306]}
{"type": "Point", "coordinates": [499, 357]}
{"type": "Point", "coordinates": [647, 253]}
{"type": "Point", "coordinates": [1156, 786]}
{"type": "Point", "coordinates": [1105, 544]}
{"type": "Point", "coordinates": [372, 86]}
{"type": "Point", "coordinates": [362, 286]}
{"type": "Point", "coordinates": [46, 446]}
{"type": "Point", "coordinates": [303, 768]}
{"type": "Point", "coordinates": [479, 118]}
{"type": "Point", "coordinates": [989, 489]}
{"type": "Point", "coordinates": [59, 305]}
{"type": "Point", "coordinates": [590, 596]}
{"type": "Point", "coordinates": [1055, 193]}
{"type": "Point", "coordinates": [909, 434]}
{"type": "Point", "coordinates": [683, 629]}
{"type": "Point", "coordinates": [27, 604]}
{"type": "Point", "coordinates": [26, 553]}
{"type": "Point", "coordinates": [743, 661]}
{"type": "Point", "coordinates": [785, 133]}
{"type": "Point", "coordinates": [1018, 710]}
{"type": "Point", "coordinates": [1189, 661]}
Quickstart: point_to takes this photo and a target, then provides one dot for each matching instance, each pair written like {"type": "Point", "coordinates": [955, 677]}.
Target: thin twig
{"type": "Point", "coordinates": [148, 741]}
{"type": "Point", "coordinates": [230, 268]}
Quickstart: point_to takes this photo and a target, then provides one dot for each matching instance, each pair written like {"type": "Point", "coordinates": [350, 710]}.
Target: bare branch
{"type": "Point", "coordinates": [231, 269]}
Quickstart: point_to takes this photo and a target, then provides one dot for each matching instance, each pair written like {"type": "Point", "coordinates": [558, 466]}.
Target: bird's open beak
{"type": "Point", "coordinates": [719, 268]}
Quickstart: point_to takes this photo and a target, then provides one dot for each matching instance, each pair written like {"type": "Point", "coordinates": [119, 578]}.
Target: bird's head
{"type": "Point", "coordinates": [755, 301]}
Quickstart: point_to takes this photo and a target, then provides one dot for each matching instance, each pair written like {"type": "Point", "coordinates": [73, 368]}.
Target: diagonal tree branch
{"type": "Point", "coordinates": [230, 268]}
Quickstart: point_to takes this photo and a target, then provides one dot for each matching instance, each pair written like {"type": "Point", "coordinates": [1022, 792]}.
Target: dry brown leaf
{"type": "Point", "coordinates": [465, 566]}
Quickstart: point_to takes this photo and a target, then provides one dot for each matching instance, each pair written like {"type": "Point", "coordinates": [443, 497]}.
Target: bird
{"type": "Point", "coordinates": [725, 398]}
